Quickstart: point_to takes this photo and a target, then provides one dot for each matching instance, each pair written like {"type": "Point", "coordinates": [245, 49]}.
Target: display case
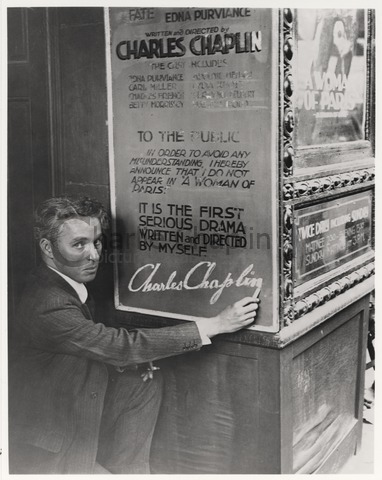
{"type": "Point", "coordinates": [328, 154]}
{"type": "Point", "coordinates": [212, 130]}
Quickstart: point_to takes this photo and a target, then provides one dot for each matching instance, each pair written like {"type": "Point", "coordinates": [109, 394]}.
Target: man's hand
{"type": "Point", "coordinates": [233, 318]}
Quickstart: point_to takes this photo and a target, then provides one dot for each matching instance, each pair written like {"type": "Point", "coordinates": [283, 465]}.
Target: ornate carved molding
{"type": "Point", "coordinates": [330, 183]}
{"type": "Point", "coordinates": [287, 159]}
{"type": "Point", "coordinates": [288, 87]}
{"type": "Point", "coordinates": [333, 290]}
{"type": "Point", "coordinates": [286, 169]}
{"type": "Point", "coordinates": [287, 287]}
{"type": "Point", "coordinates": [370, 53]}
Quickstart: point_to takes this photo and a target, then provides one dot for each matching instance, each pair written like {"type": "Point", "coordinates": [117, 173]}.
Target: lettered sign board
{"type": "Point", "coordinates": [332, 234]}
{"type": "Point", "coordinates": [193, 112]}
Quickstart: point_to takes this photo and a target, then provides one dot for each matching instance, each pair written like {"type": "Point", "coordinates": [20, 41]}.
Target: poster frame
{"type": "Point", "coordinates": [275, 177]}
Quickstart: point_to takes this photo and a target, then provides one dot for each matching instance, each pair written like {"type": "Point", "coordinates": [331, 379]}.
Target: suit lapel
{"type": "Point", "coordinates": [53, 277]}
{"type": "Point", "coordinates": [86, 311]}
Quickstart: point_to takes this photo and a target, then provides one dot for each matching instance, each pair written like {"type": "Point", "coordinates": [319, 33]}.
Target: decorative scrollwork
{"type": "Point", "coordinates": [288, 314]}
{"type": "Point", "coordinates": [288, 17]}
{"type": "Point", "coordinates": [288, 122]}
{"type": "Point", "coordinates": [287, 159]}
{"type": "Point", "coordinates": [288, 85]}
{"type": "Point", "coordinates": [288, 48]}
{"type": "Point", "coordinates": [332, 182]}
{"type": "Point", "coordinates": [288, 88]}
{"type": "Point", "coordinates": [287, 255]}
{"type": "Point", "coordinates": [288, 191]}
{"type": "Point", "coordinates": [288, 219]}
{"type": "Point", "coordinates": [336, 288]}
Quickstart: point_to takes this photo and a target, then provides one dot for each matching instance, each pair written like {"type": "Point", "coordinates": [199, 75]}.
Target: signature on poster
{"type": "Point", "coordinates": [146, 282]}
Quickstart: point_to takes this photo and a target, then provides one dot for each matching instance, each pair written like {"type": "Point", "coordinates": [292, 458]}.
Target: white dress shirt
{"type": "Point", "coordinates": [80, 288]}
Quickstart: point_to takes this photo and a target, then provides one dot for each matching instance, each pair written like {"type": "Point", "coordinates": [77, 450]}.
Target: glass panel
{"type": "Point", "coordinates": [331, 76]}
{"type": "Point", "coordinates": [331, 234]}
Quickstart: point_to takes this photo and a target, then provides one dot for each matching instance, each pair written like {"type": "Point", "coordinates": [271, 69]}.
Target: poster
{"type": "Point", "coordinates": [330, 76]}
{"type": "Point", "coordinates": [192, 130]}
{"type": "Point", "coordinates": [331, 234]}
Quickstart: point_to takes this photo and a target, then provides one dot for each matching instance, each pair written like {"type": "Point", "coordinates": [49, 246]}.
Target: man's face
{"type": "Point", "coordinates": [77, 251]}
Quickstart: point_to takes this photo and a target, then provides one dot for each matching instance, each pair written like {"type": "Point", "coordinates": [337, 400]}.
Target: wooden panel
{"type": "Point", "coordinates": [100, 192]}
{"type": "Point", "coordinates": [29, 81]}
{"type": "Point", "coordinates": [82, 78]}
{"type": "Point", "coordinates": [340, 455]}
{"type": "Point", "coordinates": [286, 417]}
{"type": "Point", "coordinates": [324, 382]}
{"type": "Point", "coordinates": [202, 429]}
{"type": "Point", "coordinates": [272, 397]}
{"type": "Point", "coordinates": [20, 193]}
{"type": "Point", "coordinates": [77, 45]}
{"type": "Point", "coordinates": [29, 170]}
{"type": "Point", "coordinates": [268, 437]}
{"type": "Point", "coordinates": [18, 79]}
{"type": "Point", "coordinates": [17, 25]}
{"type": "Point", "coordinates": [81, 16]}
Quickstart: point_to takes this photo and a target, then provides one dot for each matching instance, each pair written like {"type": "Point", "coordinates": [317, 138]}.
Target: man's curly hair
{"type": "Point", "coordinates": [52, 213]}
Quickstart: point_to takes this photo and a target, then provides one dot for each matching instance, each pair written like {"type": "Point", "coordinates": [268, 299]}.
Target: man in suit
{"type": "Point", "coordinates": [82, 396]}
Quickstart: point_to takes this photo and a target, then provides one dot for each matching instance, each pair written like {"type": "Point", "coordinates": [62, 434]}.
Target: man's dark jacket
{"type": "Point", "coordinates": [57, 368]}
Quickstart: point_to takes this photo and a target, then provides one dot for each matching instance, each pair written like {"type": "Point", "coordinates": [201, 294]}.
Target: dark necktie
{"type": "Point", "coordinates": [88, 308]}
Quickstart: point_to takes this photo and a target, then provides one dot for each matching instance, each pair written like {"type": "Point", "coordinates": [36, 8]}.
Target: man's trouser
{"type": "Point", "coordinates": [130, 413]}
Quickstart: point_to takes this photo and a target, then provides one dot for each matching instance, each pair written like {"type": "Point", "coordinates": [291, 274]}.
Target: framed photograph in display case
{"type": "Point", "coordinates": [333, 76]}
